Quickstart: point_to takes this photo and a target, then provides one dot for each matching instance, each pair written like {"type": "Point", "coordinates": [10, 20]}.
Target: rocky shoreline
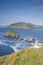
{"type": "Point", "coordinates": [11, 34]}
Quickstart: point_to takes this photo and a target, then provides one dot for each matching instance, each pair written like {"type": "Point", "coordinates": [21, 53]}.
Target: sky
{"type": "Point", "coordinates": [13, 11]}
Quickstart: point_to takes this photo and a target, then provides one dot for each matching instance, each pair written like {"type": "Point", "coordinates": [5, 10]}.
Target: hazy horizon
{"type": "Point", "coordinates": [19, 22]}
{"type": "Point", "coordinates": [13, 11]}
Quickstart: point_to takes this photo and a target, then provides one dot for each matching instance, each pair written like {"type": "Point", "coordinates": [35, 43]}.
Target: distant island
{"type": "Point", "coordinates": [24, 25]}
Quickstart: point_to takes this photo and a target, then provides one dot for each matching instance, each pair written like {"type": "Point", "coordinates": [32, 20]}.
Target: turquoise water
{"type": "Point", "coordinates": [17, 45]}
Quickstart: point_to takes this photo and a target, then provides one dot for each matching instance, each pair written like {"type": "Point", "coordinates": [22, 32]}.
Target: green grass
{"type": "Point", "coordinates": [10, 32]}
{"type": "Point", "coordinates": [28, 56]}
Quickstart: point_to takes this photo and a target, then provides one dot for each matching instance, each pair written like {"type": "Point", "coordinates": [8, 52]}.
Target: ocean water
{"type": "Point", "coordinates": [8, 46]}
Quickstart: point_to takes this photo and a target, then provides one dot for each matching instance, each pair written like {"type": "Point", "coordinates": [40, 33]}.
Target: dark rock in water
{"type": "Point", "coordinates": [30, 40]}
{"type": "Point", "coordinates": [5, 50]}
{"type": "Point", "coordinates": [21, 39]}
{"type": "Point", "coordinates": [11, 34]}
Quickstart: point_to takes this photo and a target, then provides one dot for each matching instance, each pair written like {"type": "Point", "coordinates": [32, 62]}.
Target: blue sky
{"type": "Point", "coordinates": [12, 11]}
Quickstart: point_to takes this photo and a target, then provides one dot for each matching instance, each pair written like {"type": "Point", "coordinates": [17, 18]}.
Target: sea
{"type": "Point", "coordinates": [8, 46]}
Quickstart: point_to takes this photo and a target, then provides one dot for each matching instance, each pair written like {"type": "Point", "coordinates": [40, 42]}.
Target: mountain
{"type": "Point", "coordinates": [28, 56]}
{"type": "Point", "coordinates": [24, 25]}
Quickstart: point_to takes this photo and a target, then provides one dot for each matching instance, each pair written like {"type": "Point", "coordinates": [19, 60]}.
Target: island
{"type": "Point", "coordinates": [24, 25]}
{"type": "Point", "coordinates": [11, 34]}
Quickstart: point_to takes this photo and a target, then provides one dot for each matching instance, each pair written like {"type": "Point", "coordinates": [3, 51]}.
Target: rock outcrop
{"type": "Point", "coordinates": [30, 40]}
{"type": "Point", "coordinates": [11, 34]}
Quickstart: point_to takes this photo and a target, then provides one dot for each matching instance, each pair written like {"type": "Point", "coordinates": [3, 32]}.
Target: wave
{"type": "Point", "coordinates": [17, 47]}
{"type": "Point", "coordinates": [36, 44]}
{"type": "Point", "coordinates": [20, 45]}
{"type": "Point", "coordinates": [1, 42]}
{"type": "Point", "coordinates": [14, 48]}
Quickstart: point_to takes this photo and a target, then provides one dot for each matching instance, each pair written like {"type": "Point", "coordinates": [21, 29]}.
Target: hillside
{"type": "Point", "coordinates": [24, 25]}
{"type": "Point", "coordinates": [28, 56]}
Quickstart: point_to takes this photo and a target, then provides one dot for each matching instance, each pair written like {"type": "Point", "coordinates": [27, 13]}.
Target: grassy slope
{"type": "Point", "coordinates": [27, 56]}
{"type": "Point", "coordinates": [10, 32]}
